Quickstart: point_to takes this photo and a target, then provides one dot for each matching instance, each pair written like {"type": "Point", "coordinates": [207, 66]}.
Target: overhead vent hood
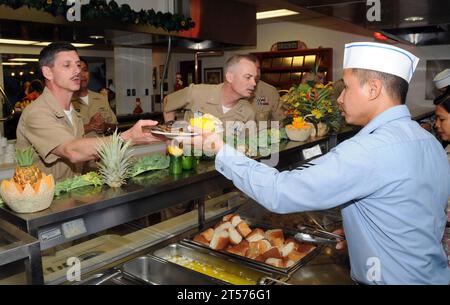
{"type": "Point", "coordinates": [424, 22]}
{"type": "Point", "coordinates": [214, 29]}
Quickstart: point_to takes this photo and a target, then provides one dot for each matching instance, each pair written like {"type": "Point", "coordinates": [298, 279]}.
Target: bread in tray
{"type": "Point", "coordinates": [272, 247]}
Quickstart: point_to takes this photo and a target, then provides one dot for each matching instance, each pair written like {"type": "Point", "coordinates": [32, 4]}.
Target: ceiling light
{"type": "Point", "coordinates": [81, 45]}
{"type": "Point", "coordinates": [414, 18]}
{"type": "Point", "coordinates": [275, 13]}
{"type": "Point", "coordinates": [13, 74]}
{"type": "Point", "coordinates": [97, 36]}
{"type": "Point", "coordinates": [17, 41]}
{"type": "Point", "coordinates": [31, 72]}
{"type": "Point", "coordinates": [42, 43]}
{"type": "Point", "coordinates": [13, 63]}
{"type": "Point", "coordinates": [21, 73]}
{"type": "Point", "coordinates": [24, 59]}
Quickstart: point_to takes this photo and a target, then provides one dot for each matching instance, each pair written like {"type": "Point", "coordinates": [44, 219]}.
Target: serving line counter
{"type": "Point", "coordinates": [70, 227]}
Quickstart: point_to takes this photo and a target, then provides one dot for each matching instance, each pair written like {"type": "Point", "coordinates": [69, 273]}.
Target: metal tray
{"type": "Point", "coordinates": [254, 263]}
{"type": "Point", "coordinates": [205, 256]}
{"type": "Point", "coordinates": [155, 271]}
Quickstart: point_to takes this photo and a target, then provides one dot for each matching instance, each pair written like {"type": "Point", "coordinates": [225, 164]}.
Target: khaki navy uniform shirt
{"type": "Point", "coordinates": [266, 103]}
{"type": "Point", "coordinates": [97, 103]}
{"type": "Point", "coordinates": [207, 99]}
{"type": "Point", "coordinates": [45, 126]}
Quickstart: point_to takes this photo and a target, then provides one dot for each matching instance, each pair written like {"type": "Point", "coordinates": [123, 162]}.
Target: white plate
{"type": "Point", "coordinates": [175, 134]}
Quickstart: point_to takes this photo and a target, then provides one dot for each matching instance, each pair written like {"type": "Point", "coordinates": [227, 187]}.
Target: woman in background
{"type": "Point", "coordinates": [442, 124]}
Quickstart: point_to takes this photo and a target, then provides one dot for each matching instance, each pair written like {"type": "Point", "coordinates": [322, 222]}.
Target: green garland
{"type": "Point", "coordinates": [101, 9]}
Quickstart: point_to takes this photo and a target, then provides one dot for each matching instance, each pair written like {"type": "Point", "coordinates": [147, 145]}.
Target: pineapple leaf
{"type": "Point", "coordinates": [115, 161]}
{"type": "Point", "coordinates": [25, 156]}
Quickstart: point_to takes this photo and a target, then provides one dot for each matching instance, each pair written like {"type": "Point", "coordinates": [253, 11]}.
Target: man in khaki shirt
{"type": "Point", "coordinates": [51, 126]}
{"type": "Point", "coordinates": [93, 107]}
{"type": "Point", "coordinates": [226, 101]}
{"type": "Point", "coordinates": [266, 100]}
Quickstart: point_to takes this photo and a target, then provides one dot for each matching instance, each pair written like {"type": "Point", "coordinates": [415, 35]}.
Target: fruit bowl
{"type": "Point", "coordinates": [298, 134]}
{"type": "Point", "coordinates": [29, 199]}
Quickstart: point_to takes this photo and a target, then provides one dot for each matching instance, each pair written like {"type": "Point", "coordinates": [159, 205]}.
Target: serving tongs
{"type": "Point", "coordinates": [312, 235]}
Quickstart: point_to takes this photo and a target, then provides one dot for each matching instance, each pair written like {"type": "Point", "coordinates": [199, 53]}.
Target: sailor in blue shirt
{"type": "Point", "coordinates": [392, 178]}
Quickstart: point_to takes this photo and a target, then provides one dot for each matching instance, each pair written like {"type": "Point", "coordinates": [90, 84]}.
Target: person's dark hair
{"type": "Point", "coordinates": [395, 86]}
{"type": "Point", "coordinates": [82, 59]}
{"type": "Point", "coordinates": [48, 54]}
{"type": "Point", "coordinates": [443, 100]}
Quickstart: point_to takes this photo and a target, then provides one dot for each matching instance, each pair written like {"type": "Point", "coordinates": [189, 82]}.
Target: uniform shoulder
{"type": "Point", "coordinates": [201, 88]}
{"type": "Point", "coordinates": [265, 85]}
{"type": "Point", "coordinates": [94, 94]}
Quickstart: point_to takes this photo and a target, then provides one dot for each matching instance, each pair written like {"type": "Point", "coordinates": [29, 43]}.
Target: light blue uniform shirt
{"type": "Point", "coordinates": [393, 177]}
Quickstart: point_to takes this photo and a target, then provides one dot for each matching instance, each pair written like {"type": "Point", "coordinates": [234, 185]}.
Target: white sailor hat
{"type": "Point", "coordinates": [442, 79]}
{"type": "Point", "coordinates": [380, 57]}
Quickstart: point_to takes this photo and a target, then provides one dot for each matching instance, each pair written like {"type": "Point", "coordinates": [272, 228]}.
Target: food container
{"type": "Point", "coordinates": [259, 265]}
{"type": "Point", "coordinates": [215, 267]}
{"type": "Point", "coordinates": [155, 271]}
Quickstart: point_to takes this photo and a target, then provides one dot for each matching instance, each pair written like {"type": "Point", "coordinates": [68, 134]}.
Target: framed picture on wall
{"type": "Point", "coordinates": [433, 68]}
{"type": "Point", "coordinates": [213, 75]}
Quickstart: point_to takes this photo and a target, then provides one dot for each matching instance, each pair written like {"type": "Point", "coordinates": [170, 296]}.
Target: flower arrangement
{"type": "Point", "coordinates": [314, 103]}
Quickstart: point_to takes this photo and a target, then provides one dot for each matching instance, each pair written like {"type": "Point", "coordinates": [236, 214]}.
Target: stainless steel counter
{"type": "Point", "coordinates": [330, 267]}
{"type": "Point", "coordinates": [15, 246]}
{"type": "Point", "coordinates": [89, 210]}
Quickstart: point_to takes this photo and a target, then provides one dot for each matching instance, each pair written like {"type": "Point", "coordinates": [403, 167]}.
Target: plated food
{"type": "Point", "coordinates": [234, 235]}
{"type": "Point", "coordinates": [173, 129]}
{"type": "Point", "coordinates": [206, 122]}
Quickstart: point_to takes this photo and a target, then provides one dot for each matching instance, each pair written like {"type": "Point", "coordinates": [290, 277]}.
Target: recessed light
{"type": "Point", "coordinates": [31, 72]}
{"type": "Point", "coordinates": [275, 13]}
{"type": "Point", "coordinates": [13, 74]}
{"type": "Point", "coordinates": [81, 45]}
{"type": "Point", "coordinates": [414, 18]}
{"type": "Point", "coordinates": [42, 43]}
{"type": "Point", "coordinates": [24, 59]}
{"type": "Point", "coordinates": [21, 73]}
{"type": "Point", "coordinates": [17, 41]}
{"type": "Point", "coordinates": [97, 36]}
{"type": "Point", "coordinates": [13, 63]}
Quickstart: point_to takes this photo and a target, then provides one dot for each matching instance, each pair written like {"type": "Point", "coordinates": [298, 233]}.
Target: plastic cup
{"type": "Point", "coordinates": [175, 165]}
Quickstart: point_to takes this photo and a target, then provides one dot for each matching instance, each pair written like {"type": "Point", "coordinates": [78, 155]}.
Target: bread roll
{"type": "Point", "coordinates": [223, 226]}
{"type": "Point", "coordinates": [235, 237]}
{"type": "Point", "coordinates": [287, 248]}
{"type": "Point", "coordinates": [243, 229]}
{"type": "Point", "coordinates": [220, 240]}
{"type": "Point", "coordinates": [275, 237]}
{"type": "Point", "coordinates": [201, 239]}
{"type": "Point", "coordinates": [240, 249]}
{"type": "Point", "coordinates": [227, 217]}
{"type": "Point", "coordinates": [252, 253]}
{"type": "Point", "coordinates": [257, 234]}
{"type": "Point", "coordinates": [235, 220]}
{"type": "Point", "coordinates": [296, 256]}
{"type": "Point", "coordinates": [292, 240]}
{"type": "Point", "coordinates": [208, 234]}
{"type": "Point", "coordinates": [272, 253]}
{"type": "Point", "coordinates": [275, 262]}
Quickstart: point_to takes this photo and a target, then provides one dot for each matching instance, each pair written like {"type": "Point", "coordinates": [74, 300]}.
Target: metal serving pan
{"type": "Point", "coordinates": [243, 274]}
{"type": "Point", "coordinates": [245, 261]}
{"type": "Point", "coordinates": [155, 271]}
